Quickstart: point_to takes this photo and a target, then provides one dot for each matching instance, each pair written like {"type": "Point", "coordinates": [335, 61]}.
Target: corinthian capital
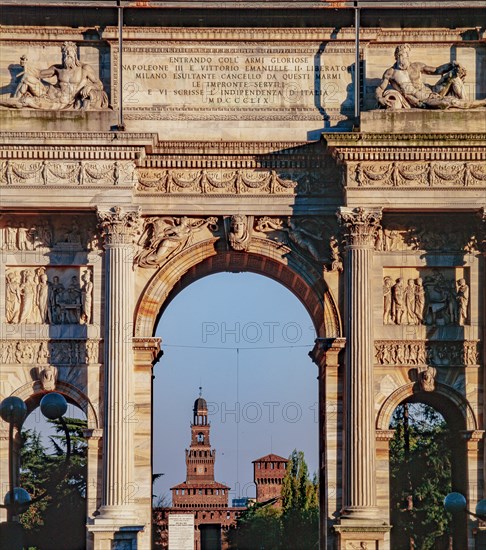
{"type": "Point", "coordinates": [360, 225]}
{"type": "Point", "coordinates": [118, 226]}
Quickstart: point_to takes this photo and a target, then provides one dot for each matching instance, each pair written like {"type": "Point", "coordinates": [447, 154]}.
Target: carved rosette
{"type": "Point", "coordinates": [360, 226]}
{"type": "Point", "coordinates": [119, 227]}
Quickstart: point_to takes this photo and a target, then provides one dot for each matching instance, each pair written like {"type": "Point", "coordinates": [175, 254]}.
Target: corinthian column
{"type": "Point", "coordinates": [360, 227]}
{"type": "Point", "coordinates": [118, 229]}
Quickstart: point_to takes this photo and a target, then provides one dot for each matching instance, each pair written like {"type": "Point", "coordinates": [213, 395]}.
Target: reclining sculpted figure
{"type": "Point", "coordinates": [77, 85]}
{"type": "Point", "coordinates": [410, 91]}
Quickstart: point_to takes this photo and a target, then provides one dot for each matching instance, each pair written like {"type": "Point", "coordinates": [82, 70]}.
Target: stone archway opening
{"type": "Point", "coordinates": [246, 342]}
{"type": "Point", "coordinates": [44, 467]}
{"type": "Point", "coordinates": [427, 460]}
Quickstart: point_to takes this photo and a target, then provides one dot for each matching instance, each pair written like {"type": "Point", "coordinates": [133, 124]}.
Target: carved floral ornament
{"type": "Point", "coordinates": [417, 174]}
{"type": "Point", "coordinates": [45, 172]}
{"type": "Point", "coordinates": [360, 226]}
{"type": "Point", "coordinates": [118, 226]}
{"type": "Point", "coordinates": [221, 181]}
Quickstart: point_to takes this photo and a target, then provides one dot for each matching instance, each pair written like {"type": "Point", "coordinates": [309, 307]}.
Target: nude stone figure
{"type": "Point", "coordinates": [405, 77]}
{"type": "Point", "coordinates": [77, 85]}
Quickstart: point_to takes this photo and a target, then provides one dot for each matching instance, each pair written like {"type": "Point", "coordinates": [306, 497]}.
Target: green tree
{"type": "Point", "coordinates": [294, 526]}
{"type": "Point", "coordinates": [300, 508]}
{"type": "Point", "coordinates": [258, 528]}
{"type": "Point", "coordinates": [64, 485]}
{"type": "Point", "coordinates": [420, 477]}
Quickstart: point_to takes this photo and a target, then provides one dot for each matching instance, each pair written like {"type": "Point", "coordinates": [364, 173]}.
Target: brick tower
{"type": "Point", "coordinates": [268, 474]}
{"type": "Point", "coordinates": [200, 490]}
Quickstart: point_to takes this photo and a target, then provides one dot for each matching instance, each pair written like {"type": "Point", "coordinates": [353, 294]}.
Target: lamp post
{"type": "Point", "coordinates": [14, 411]}
{"type": "Point", "coordinates": [455, 503]}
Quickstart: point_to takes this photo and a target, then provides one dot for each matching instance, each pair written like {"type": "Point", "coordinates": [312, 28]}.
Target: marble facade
{"type": "Point", "coordinates": [237, 148]}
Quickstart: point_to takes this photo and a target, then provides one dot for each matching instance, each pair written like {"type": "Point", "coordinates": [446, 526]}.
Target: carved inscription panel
{"type": "Point", "coordinates": [270, 77]}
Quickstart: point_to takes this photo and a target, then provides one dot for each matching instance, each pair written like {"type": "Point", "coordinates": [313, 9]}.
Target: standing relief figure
{"type": "Point", "coordinates": [462, 298]}
{"type": "Point", "coordinates": [56, 290]}
{"type": "Point", "coordinates": [387, 300]}
{"type": "Point", "coordinates": [419, 301]}
{"type": "Point", "coordinates": [410, 302]}
{"type": "Point", "coordinates": [42, 295]}
{"type": "Point", "coordinates": [13, 297]}
{"type": "Point", "coordinates": [398, 306]}
{"type": "Point", "coordinates": [86, 297]}
{"type": "Point", "coordinates": [28, 297]}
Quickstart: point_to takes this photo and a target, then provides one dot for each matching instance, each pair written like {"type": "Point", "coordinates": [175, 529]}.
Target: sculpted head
{"type": "Point", "coordinates": [69, 55]}
{"type": "Point", "coordinates": [238, 224]}
{"type": "Point", "coordinates": [402, 55]}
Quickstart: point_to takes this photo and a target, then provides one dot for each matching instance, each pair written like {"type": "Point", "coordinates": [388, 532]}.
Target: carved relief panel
{"type": "Point", "coordinates": [418, 353]}
{"type": "Point", "coordinates": [40, 233]}
{"type": "Point", "coordinates": [53, 351]}
{"type": "Point", "coordinates": [426, 296]}
{"type": "Point", "coordinates": [438, 233]}
{"type": "Point", "coordinates": [48, 295]}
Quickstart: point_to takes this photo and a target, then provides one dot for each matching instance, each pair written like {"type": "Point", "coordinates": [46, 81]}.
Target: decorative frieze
{"type": "Point", "coordinates": [417, 353]}
{"type": "Point", "coordinates": [417, 174]}
{"type": "Point", "coordinates": [62, 173]}
{"type": "Point", "coordinates": [231, 182]}
{"type": "Point", "coordinates": [55, 352]}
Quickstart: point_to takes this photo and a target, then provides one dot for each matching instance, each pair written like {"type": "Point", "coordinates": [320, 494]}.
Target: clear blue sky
{"type": "Point", "coordinates": [260, 400]}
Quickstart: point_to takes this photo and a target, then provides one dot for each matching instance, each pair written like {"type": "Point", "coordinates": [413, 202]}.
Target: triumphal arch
{"type": "Point", "coordinates": [336, 147]}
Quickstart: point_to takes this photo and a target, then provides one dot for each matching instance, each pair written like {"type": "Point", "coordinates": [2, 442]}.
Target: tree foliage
{"type": "Point", "coordinates": [294, 526]}
{"type": "Point", "coordinates": [420, 477]}
{"type": "Point", "coordinates": [57, 522]}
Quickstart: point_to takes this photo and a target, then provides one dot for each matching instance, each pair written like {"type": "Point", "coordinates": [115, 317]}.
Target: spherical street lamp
{"type": "Point", "coordinates": [456, 503]}
{"type": "Point", "coordinates": [13, 410]}
{"type": "Point", "coordinates": [53, 405]}
{"type": "Point", "coordinates": [20, 497]}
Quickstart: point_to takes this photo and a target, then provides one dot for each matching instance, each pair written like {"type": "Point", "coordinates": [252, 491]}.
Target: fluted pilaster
{"type": "Point", "coordinates": [360, 461]}
{"type": "Point", "coordinates": [119, 229]}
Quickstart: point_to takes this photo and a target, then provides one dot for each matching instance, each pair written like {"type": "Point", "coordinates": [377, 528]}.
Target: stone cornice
{"type": "Point", "coordinates": [76, 139]}
{"type": "Point", "coordinates": [392, 140]}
